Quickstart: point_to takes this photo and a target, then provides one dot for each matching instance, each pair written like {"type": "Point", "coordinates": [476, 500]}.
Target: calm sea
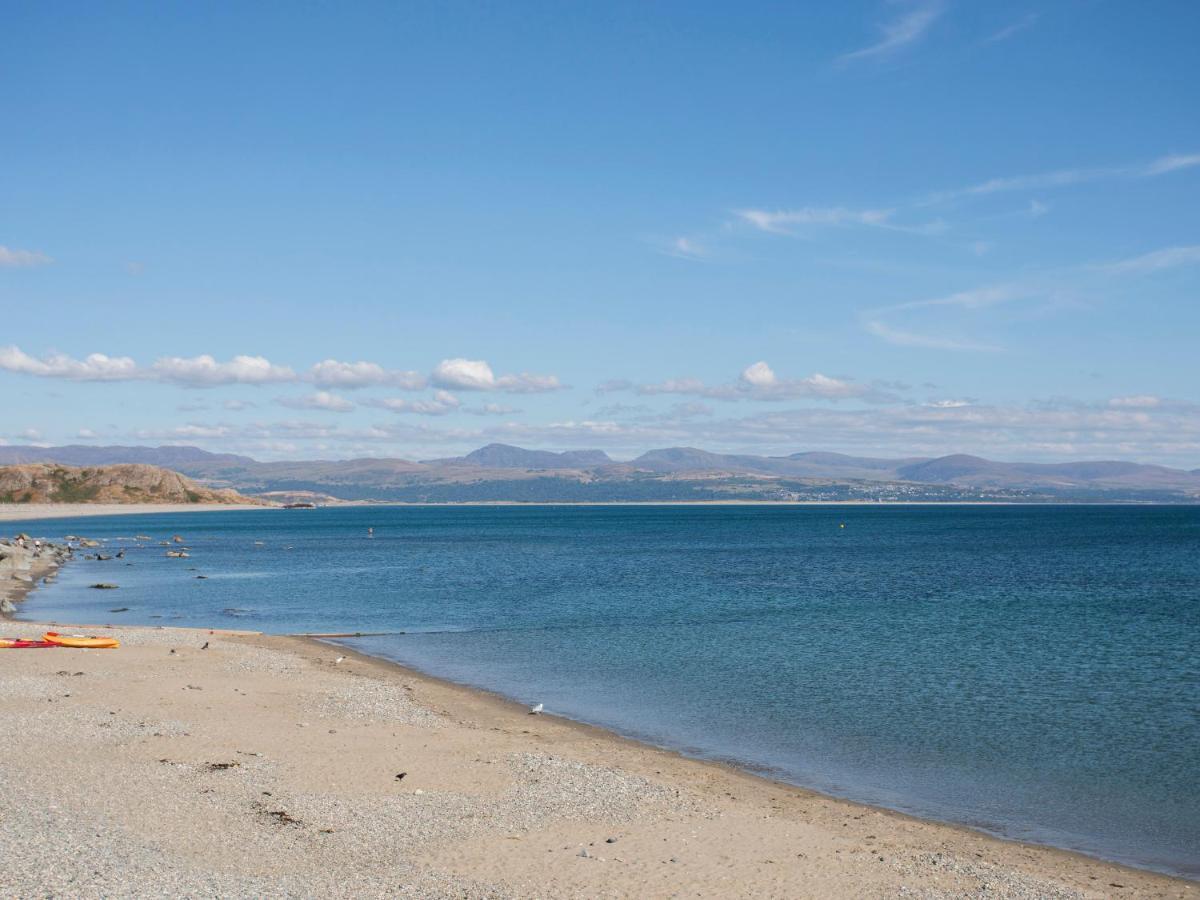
{"type": "Point", "coordinates": [1032, 671]}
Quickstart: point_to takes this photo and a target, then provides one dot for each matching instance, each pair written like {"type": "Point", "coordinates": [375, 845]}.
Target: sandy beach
{"type": "Point", "coordinates": [20, 512]}
{"type": "Point", "coordinates": [263, 766]}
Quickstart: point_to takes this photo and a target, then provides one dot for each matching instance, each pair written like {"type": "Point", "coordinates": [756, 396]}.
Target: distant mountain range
{"type": "Point", "coordinates": [501, 472]}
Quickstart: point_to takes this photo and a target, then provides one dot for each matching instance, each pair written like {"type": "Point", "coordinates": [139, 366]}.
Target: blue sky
{"type": "Point", "coordinates": [409, 229]}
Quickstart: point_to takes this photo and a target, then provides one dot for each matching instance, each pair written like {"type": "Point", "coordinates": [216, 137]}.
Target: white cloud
{"type": "Point", "coordinates": [528, 383]}
{"type": "Point", "coordinates": [199, 371]}
{"type": "Point", "coordinates": [912, 339]}
{"type": "Point", "coordinates": [239, 405]}
{"type": "Point", "coordinates": [465, 374]}
{"type": "Point", "coordinates": [1167, 258]}
{"type": "Point", "coordinates": [86, 434]}
{"type": "Point", "coordinates": [95, 367]}
{"type": "Point", "coordinates": [1136, 401]}
{"type": "Point", "coordinates": [332, 373]}
{"type": "Point", "coordinates": [759, 375]}
{"type": "Point", "coordinates": [323, 400]}
{"type": "Point", "coordinates": [30, 434]}
{"type": "Point", "coordinates": [900, 32]}
{"type": "Point", "coordinates": [759, 382]}
{"type": "Point", "coordinates": [206, 371]}
{"type": "Point", "coordinates": [11, 258]}
{"type": "Point", "coordinates": [477, 375]}
{"type": "Point", "coordinates": [948, 404]}
{"type": "Point", "coordinates": [1168, 433]}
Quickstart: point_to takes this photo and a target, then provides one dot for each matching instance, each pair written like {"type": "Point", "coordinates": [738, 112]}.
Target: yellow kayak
{"type": "Point", "coordinates": [66, 640]}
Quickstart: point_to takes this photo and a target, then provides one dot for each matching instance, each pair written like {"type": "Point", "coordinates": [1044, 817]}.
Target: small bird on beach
{"type": "Point", "coordinates": [338, 660]}
{"type": "Point", "coordinates": [537, 709]}
{"type": "Point", "coordinates": [205, 647]}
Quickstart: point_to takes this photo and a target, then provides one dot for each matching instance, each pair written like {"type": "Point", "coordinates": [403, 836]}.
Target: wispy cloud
{"type": "Point", "coordinates": [1167, 258]}
{"type": "Point", "coordinates": [928, 341]}
{"type": "Point", "coordinates": [1171, 163]}
{"type": "Point", "coordinates": [873, 320]}
{"type": "Point", "coordinates": [1022, 24]}
{"type": "Point", "coordinates": [906, 29]}
{"type": "Point", "coordinates": [1068, 177]}
{"type": "Point", "coordinates": [490, 409]}
{"type": "Point", "coordinates": [780, 221]}
{"type": "Point", "coordinates": [11, 258]}
{"type": "Point", "coordinates": [686, 248]}
{"type": "Point", "coordinates": [443, 403]}
{"type": "Point", "coordinates": [976, 298]}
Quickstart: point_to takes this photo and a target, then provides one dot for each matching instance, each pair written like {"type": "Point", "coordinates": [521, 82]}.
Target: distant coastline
{"type": "Point", "coordinates": [22, 512]}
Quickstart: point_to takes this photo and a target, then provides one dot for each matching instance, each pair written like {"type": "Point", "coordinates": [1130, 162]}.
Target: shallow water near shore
{"type": "Point", "coordinates": [1033, 671]}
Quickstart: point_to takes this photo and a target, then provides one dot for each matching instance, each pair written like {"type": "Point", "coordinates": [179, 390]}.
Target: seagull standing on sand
{"type": "Point", "coordinates": [338, 660]}
{"type": "Point", "coordinates": [537, 709]}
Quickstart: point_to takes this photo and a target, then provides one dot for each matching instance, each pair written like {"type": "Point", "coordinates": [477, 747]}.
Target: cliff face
{"type": "Point", "coordinates": [133, 483]}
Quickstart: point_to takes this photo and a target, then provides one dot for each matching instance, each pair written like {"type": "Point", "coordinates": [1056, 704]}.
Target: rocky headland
{"type": "Point", "coordinates": [131, 483]}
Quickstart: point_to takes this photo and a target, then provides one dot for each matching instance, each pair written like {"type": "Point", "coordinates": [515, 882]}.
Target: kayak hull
{"type": "Point", "coordinates": [78, 641]}
{"type": "Point", "coordinates": [21, 644]}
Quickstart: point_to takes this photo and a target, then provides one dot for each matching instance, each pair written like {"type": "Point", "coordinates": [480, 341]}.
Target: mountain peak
{"type": "Point", "coordinates": [506, 456]}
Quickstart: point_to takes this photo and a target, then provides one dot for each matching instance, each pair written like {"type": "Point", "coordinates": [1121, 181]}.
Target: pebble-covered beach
{"type": "Point", "coordinates": [192, 763]}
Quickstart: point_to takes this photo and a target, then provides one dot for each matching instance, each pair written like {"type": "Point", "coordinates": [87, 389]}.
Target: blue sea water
{"type": "Point", "coordinates": [1032, 671]}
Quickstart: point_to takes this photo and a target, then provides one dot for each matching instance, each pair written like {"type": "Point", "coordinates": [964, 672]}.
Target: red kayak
{"type": "Point", "coordinates": [22, 644]}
